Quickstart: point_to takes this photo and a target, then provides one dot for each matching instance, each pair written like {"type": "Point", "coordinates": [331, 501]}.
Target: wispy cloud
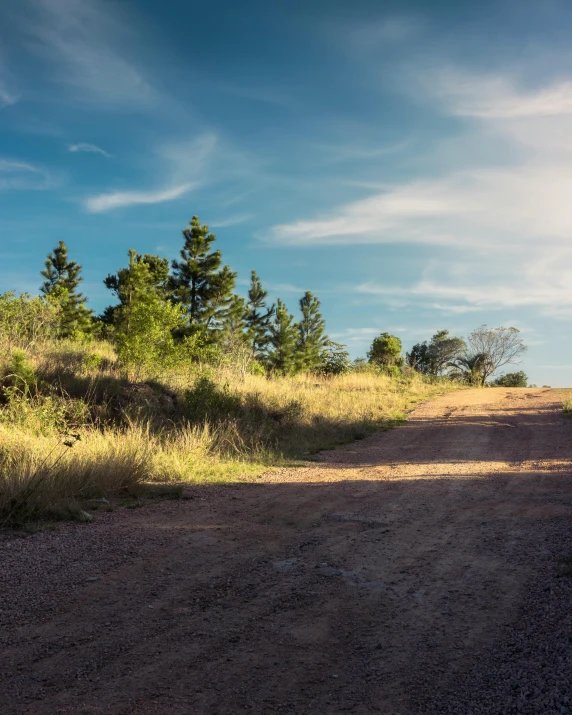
{"type": "Point", "coordinates": [496, 96]}
{"type": "Point", "coordinates": [89, 148]}
{"type": "Point", "coordinates": [119, 199]}
{"type": "Point", "coordinates": [180, 167]}
{"type": "Point", "coordinates": [87, 46]}
{"type": "Point", "coordinates": [511, 213]}
{"type": "Point", "coordinates": [6, 96]}
{"type": "Point", "coordinates": [392, 30]}
{"type": "Point", "coordinates": [231, 221]}
{"type": "Point", "coordinates": [20, 175]}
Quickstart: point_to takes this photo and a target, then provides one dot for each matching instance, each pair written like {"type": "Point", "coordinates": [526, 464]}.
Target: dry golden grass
{"type": "Point", "coordinates": [228, 426]}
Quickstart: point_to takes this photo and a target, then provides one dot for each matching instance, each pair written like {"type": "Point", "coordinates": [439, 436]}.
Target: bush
{"type": "Point", "coordinates": [207, 402]}
{"type": "Point", "coordinates": [20, 375]}
{"type": "Point", "coordinates": [26, 320]}
{"type": "Point", "coordinates": [511, 379]}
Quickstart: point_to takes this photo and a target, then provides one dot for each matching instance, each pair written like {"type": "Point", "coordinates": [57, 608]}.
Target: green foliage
{"type": "Point", "coordinates": [392, 370]}
{"type": "Point", "coordinates": [385, 350]}
{"type": "Point", "coordinates": [19, 375]}
{"type": "Point", "coordinates": [511, 379]}
{"type": "Point", "coordinates": [283, 338]}
{"type": "Point", "coordinates": [145, 339]}
{"type": "Point", "coordinates": [199, 285]}
{"type": "Point", "coordinates": [434, 358]}
{"type": "Point", "coordinates": [62, 289]}
{"type": "Point", "coordinates": [128, 280]}
{"type": "Point", "coordinates": [206, 401]}
{"type": "Point", "coordinates": [335, 359]}
{"type": "Point", "coordinates": [145, 323]}
{"type": "Point", "coordinates": [26, 320]}
{"type": "Point", "coordinates": [311, 334]}
{"type": "Point", "coordinates": [468, 368]}
{"type": "Point", "coordinates": [257, 316]}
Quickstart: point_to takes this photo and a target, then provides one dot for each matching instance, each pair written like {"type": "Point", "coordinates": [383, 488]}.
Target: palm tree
{"type": "Point", "coordinates": [469, 369]}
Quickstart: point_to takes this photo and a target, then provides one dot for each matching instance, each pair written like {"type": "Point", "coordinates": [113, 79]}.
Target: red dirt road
{"type": "Point", "coordinates": [418, 571]}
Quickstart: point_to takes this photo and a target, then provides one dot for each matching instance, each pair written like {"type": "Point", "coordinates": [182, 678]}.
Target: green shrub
{"type": "Point", "coordinates": [207, 402]}
{"type": "Point", "coordinates": [20, 375]}
{"type": "Point", "coordinates": [511, 379]}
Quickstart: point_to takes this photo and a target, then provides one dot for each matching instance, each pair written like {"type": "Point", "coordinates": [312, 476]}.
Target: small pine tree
{"type": "Point", "coordinates": [145, 321]}
{"type": "Point", "coordinates": [61, 288]}
{"type": "Point", "coordinates": [283, 336]}
{"type": "Point", "coordinates": [257, 316]}
{"type": "Point", "coordinates": [199, 284]}
{"type": "Point", "coordinates": [311, 334]}
{"type": "Point", "coordinates": [123, 283]}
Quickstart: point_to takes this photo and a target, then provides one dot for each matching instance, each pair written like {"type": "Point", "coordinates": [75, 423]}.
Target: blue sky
{"type": "Point", "coordinates": [410, 163]}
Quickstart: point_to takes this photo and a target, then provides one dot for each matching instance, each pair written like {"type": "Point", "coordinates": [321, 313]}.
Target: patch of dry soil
{"type": "Point", "coordinates": [418, 571]}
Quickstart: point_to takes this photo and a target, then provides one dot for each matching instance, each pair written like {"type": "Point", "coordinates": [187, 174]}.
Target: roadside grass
{"type": "Point", "coordinates": [78, 431]}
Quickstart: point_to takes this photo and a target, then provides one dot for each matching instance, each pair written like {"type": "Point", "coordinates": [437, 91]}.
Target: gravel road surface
{"type": "Point", "coordinates": [419, 571]}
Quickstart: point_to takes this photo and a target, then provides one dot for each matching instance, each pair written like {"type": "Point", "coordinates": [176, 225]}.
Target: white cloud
{"type": "Point", "coordinates": [89, 148]}
{"type": "Point", "coordinates": [20, 175]}
{"type": "Point", "coordinates": [119, 199]}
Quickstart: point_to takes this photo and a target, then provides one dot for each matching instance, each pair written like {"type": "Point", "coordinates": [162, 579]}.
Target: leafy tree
{"type": "Point", "coordinates": [311, 338]}
{"type": "Point", "coordinates": [335, 359]}
{"type": "Point", "coordinates": [124, 283]}
{"type": "Point", "coordinates": [385, 351]}
{"type": "Point", "coordinates": [498, 346]}
{"type": "Point", "coordinates": [258, 316]}
{"type": "Point", "coordinates": [145, 320]}
{"type": "Point", "coordinates": [61, 287]}
{"type": "Point", "coordinates": [418, 358]}
{"type": "Point", "coordinates": [199, 284]}
{"type": "Point", "coordinates": [434, 358]}
{"type": "Point", "coordinates": [283, 337]}
{"type": "Point", "coordinates": [512, 379]}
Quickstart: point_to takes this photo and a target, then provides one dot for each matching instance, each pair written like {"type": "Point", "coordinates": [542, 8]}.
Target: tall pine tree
{"type": "Point", "coordinates": [311, 334]}
{"type": "Point", "coordinates": [283, 333]}
{"type": "Point", "coordinates": [61, 285]}
{"type": "Point", "coordinates": [257, 316]}
{"type": "Point", "coordinates": [199, 284]}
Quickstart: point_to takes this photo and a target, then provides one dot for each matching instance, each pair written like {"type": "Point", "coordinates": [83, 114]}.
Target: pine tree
{"type": "Point", "coordinates": [199, 284]}
{"type": "Point", "coordinates": [257, 316]}
{"type": "Point", "coordinates": [283, 333]}
{"type": "Point", "coordinates": [61, 287]}
{"type": "Point", "coordinates": [311, 334]}
{"type": "Point", "coordinates": [149, 272]}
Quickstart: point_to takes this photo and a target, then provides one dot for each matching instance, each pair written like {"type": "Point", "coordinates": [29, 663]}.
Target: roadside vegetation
{"type": "Point", "coordinates": [180, 380]}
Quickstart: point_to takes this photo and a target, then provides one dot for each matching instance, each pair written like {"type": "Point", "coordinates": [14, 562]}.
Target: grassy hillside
{"type": "Point", "coordinates": [73, 429]}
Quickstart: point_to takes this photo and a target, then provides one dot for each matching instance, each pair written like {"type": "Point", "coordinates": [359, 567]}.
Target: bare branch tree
{"type": "Point", "coordinates": [499, 347]}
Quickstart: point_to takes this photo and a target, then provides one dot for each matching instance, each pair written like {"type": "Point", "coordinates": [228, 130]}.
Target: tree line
{"type": "Point", "coordinates": [187, 309]}
{"type": "Point", "coordinates": [473, 361]}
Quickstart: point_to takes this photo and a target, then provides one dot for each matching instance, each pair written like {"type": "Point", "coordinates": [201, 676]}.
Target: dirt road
{"type": "Point", "coordinates": [417, 571]}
